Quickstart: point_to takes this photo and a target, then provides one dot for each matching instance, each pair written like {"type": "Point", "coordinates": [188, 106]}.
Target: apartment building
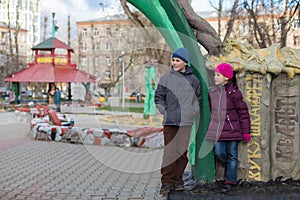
{"type": "Point", "coordinates": [26, 15]}
{"type": "Point", "coordinates": [242, 32]}
{"type": "Point", "coordinates": [4, 40]}
{"type": "Point", "coordinates": [107, 45]}
{"type": "Point", "coordinates": [6, 47]}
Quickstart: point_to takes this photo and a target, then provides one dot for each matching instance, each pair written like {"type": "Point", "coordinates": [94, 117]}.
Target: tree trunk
{"type": "Point", "coordinates": [10, 56]}
{"type": "Point", "coordinates": [231, 21]}
{"type": "Point", "coordinates": [17, 67]}
{"type": "Point", "coordinates": [220, 9]}
{"type": "Point", "coordinates": [205, 33]}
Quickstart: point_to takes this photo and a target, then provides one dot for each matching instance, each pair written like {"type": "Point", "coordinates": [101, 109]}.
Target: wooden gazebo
{"type": "Point", "coordinates": [51, 66]}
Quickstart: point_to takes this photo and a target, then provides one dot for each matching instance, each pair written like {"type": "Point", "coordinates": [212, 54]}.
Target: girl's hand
{"type": "Point", "coordinates": [247, 137]}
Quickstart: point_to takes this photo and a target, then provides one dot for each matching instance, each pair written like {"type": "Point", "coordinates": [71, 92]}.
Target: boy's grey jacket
{"type": "Point", "coordinates": [178, 97]}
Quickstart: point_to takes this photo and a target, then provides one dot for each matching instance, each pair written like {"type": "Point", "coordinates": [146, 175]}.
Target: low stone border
{"type": "Point", "coordinates": [42, 128]}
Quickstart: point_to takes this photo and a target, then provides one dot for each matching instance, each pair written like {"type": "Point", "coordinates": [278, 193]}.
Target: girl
{"type": "Point", "coordinates": [229, 122]}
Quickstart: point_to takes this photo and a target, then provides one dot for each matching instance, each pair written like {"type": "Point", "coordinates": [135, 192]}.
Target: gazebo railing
{"type": "Point", "coordinates": [56, 58]}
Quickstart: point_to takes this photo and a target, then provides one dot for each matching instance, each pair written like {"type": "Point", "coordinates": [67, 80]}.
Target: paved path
{"type": "Point", "coordinates": [54, 170]}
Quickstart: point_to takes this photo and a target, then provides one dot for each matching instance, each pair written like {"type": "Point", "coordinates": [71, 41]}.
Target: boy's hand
{"type": "Point", "coordinates": [247, 137]}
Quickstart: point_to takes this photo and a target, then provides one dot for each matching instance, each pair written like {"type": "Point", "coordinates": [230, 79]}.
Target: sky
{"type": "Point", "coordinates": [81, 10]}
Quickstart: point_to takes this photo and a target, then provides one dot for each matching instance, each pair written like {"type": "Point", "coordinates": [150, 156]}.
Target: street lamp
{"type": "Point", "coordinates": [123, 82]}
{"type": "Point", "coordinates": [54, 27]}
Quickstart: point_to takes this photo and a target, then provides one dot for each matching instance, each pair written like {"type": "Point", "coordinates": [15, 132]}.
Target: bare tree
{"type": "Point", "coordinates": [271, 21]}
{"type": "Point", "coordinates": [9, 31]}
{"type": "Point", "coordinates": [141, 22]}
{"type": "Point", "coordinates": [45, 27]}
{"type": "Point", "coordinates": [253, 13]}
{"type": "Point", "coordinates": [230, 23]}
{"type": "Point", "coordinates": [16, 34]}
{"type": "Point", "coordinates": [205, 33]}
{"type": "Point", "coordinates": [219, 9]}
{"type": "Point", "coordinates": [14, 61]}
{"type": "Point", "coordinates": [290, 10]}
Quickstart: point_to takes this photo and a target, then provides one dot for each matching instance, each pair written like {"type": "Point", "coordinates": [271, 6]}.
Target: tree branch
{"type": "Point", "coordinates": [205, 33]}
{"type": "Point", "coordinates": [231, 20]}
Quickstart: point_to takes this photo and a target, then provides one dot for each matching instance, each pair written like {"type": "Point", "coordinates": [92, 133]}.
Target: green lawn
{"type": "Point", "coordinates": [120, 109]}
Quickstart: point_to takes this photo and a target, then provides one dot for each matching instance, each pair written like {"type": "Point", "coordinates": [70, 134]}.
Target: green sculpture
{"type": "Point", "coordinates": [150, 85]}
{"type": "Point", "coordinates": [167, 16]}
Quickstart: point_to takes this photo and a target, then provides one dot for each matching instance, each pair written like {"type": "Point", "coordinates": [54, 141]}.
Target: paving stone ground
{"type": "Point", "coordinates": [54, 170]}
{"type": "Point", "coordinates": [40, 170]}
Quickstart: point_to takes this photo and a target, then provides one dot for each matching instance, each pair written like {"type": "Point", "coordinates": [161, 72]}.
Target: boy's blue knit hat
{"type": "Point", "coordinates": [181, 53]}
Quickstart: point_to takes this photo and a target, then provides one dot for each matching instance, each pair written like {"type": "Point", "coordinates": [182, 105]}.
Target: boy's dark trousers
{"type": "Point", "coordinates": [175, 158]}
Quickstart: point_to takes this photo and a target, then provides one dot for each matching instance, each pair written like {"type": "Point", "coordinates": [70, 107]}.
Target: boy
{"type": "Point", "coordinates": [178, 97]}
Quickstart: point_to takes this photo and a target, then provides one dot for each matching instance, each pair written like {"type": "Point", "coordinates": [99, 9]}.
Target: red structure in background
{"type": "Point", "coordinates": [52, 64]}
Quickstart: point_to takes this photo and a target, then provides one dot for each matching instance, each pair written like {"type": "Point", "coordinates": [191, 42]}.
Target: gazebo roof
{"type": "Point", "coordinates": [52, 43]}
{"type": "Point", "coordinates": [51, 73]}
{"type": "Point", "coordinates": [51, 67]}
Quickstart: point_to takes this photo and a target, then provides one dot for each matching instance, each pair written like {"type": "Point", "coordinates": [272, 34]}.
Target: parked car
{"type": "Point", "coordinates": [26, 94]}
{"type": "Point", "coordinates": [98, 99]}
{"type": "Point", "coordinates": [3, 92]}
{"type": "Point", "coordinates": [137, 95]}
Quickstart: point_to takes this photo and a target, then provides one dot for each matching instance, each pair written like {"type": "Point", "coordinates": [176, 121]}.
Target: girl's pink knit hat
{"type": "Point", "coordinates": [225, 69]}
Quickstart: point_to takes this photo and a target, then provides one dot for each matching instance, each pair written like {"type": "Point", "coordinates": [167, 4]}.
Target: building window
{"type": "Point", "coordinates": [96, 32]}
{"type": "Point", "coordinates": [35, 38]}
{"type": "Point", "coordinates": [120, 45]}
{"type": "Point", "coordinates": [20, 5]}
{"type": "Point", "coordinates": [35, 19]}
{"type": "Point", "coordinates": [296, 40]}
{"type": "Point", "coordinates": [84, 32]}
{"type": "Point", "coordinates": [96, 46]}
{"type": "Point", "coordinates": [244, 29]}
{"type": "Point", "coordinates": [107, 75]}
{"type": "Point", "coordinates": [22, 37]}
{"type": "Point", "coordinates": [107, 46]}
{"type": "Point", "coordinates": [84, 46]}
{"type": "Point", "coordinates": [22, 49]}
{"type": "Point", "coordinates": [132, 31]}
{"type": "Point", "coordinates": [296, 23]}
{"type": "Point", "coordinates": [84, 61]}
{"type": "Point", "coordinates": [120, 32]}
{"type": "Point", "coordinates": [107, 61]}
{"type": "Point", "coordinates": [96, 61]}
{"type": "Point", "coordinates": [108, 31]}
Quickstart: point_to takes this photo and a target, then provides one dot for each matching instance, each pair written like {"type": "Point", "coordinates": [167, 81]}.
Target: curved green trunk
{"type": "Point", "coordinates": [167, 16]}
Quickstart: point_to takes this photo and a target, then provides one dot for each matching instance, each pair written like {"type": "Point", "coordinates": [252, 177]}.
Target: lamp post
{"type": "Point", "coordinates": [53, 26]}
{"type": "Point", "coordinates": [123, 83]}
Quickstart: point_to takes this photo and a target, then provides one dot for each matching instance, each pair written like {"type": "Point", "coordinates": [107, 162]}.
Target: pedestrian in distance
{"type": "Point", "coordinates": [229, 122]}
{"type": "Point", "coordinates": [178, 97]}
{"type": "Point", "coordinates": [57, 99]}
{"type": "Point", "coordinates": [51, 92]}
